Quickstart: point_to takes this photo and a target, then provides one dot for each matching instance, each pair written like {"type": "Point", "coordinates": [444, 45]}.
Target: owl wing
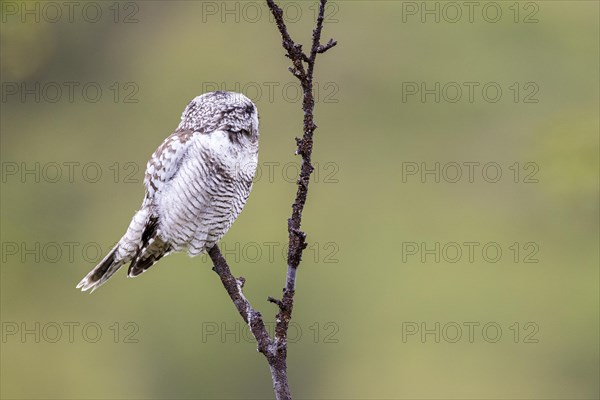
{"type": "Point", "coordinates": [166, 160]}
{"type": "Point", "coordinates": [161, 168]}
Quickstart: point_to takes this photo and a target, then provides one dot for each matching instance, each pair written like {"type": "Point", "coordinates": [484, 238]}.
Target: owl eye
{"type": "Point", "coordinates": [245, 132]}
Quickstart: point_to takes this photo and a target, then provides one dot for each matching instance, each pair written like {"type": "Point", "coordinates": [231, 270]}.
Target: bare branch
{"type": "Point", "coordinates": [297, 238]}
{"type": "Point", "coordinates": [275, 349]}
{"type": "Point", "coordinates": [234, 289]}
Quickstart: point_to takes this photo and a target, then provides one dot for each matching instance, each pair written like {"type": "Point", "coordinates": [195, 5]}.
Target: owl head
{"type": "Point", "coordinates": [222, 111]}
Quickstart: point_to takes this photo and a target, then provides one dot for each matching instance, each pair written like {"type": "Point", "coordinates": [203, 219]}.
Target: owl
{"type": "Point", "coordinates": [197, 182]}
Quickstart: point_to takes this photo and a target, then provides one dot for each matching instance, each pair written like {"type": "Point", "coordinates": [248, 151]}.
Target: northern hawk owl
{"type": "Point", "coordinates": [197, 183]}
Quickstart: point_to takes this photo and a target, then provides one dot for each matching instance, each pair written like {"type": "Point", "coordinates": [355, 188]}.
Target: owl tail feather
{"type": "Point", "coordinates": [121, 254]}
{"type": "Point", "coordinates": [104, 270]}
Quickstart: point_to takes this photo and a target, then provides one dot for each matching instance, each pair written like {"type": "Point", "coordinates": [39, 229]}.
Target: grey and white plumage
{"type": "Point", "coordinates": [197, 182]}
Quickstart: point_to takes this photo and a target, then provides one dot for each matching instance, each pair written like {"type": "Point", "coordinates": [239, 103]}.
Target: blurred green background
{"type": "Point", "coordinates": [369, 286]}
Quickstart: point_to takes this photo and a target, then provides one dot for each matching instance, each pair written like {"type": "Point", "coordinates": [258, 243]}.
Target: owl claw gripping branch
{"type": "Point", "coordinates": [197, 183]}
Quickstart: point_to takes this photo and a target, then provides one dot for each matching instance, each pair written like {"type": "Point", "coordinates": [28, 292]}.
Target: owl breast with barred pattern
{"type": "Point", "coordinates": [197, 182]}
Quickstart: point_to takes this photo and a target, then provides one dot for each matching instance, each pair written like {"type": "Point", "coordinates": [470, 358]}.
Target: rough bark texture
{"type": "Point", "coordinates": [275, 349]}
